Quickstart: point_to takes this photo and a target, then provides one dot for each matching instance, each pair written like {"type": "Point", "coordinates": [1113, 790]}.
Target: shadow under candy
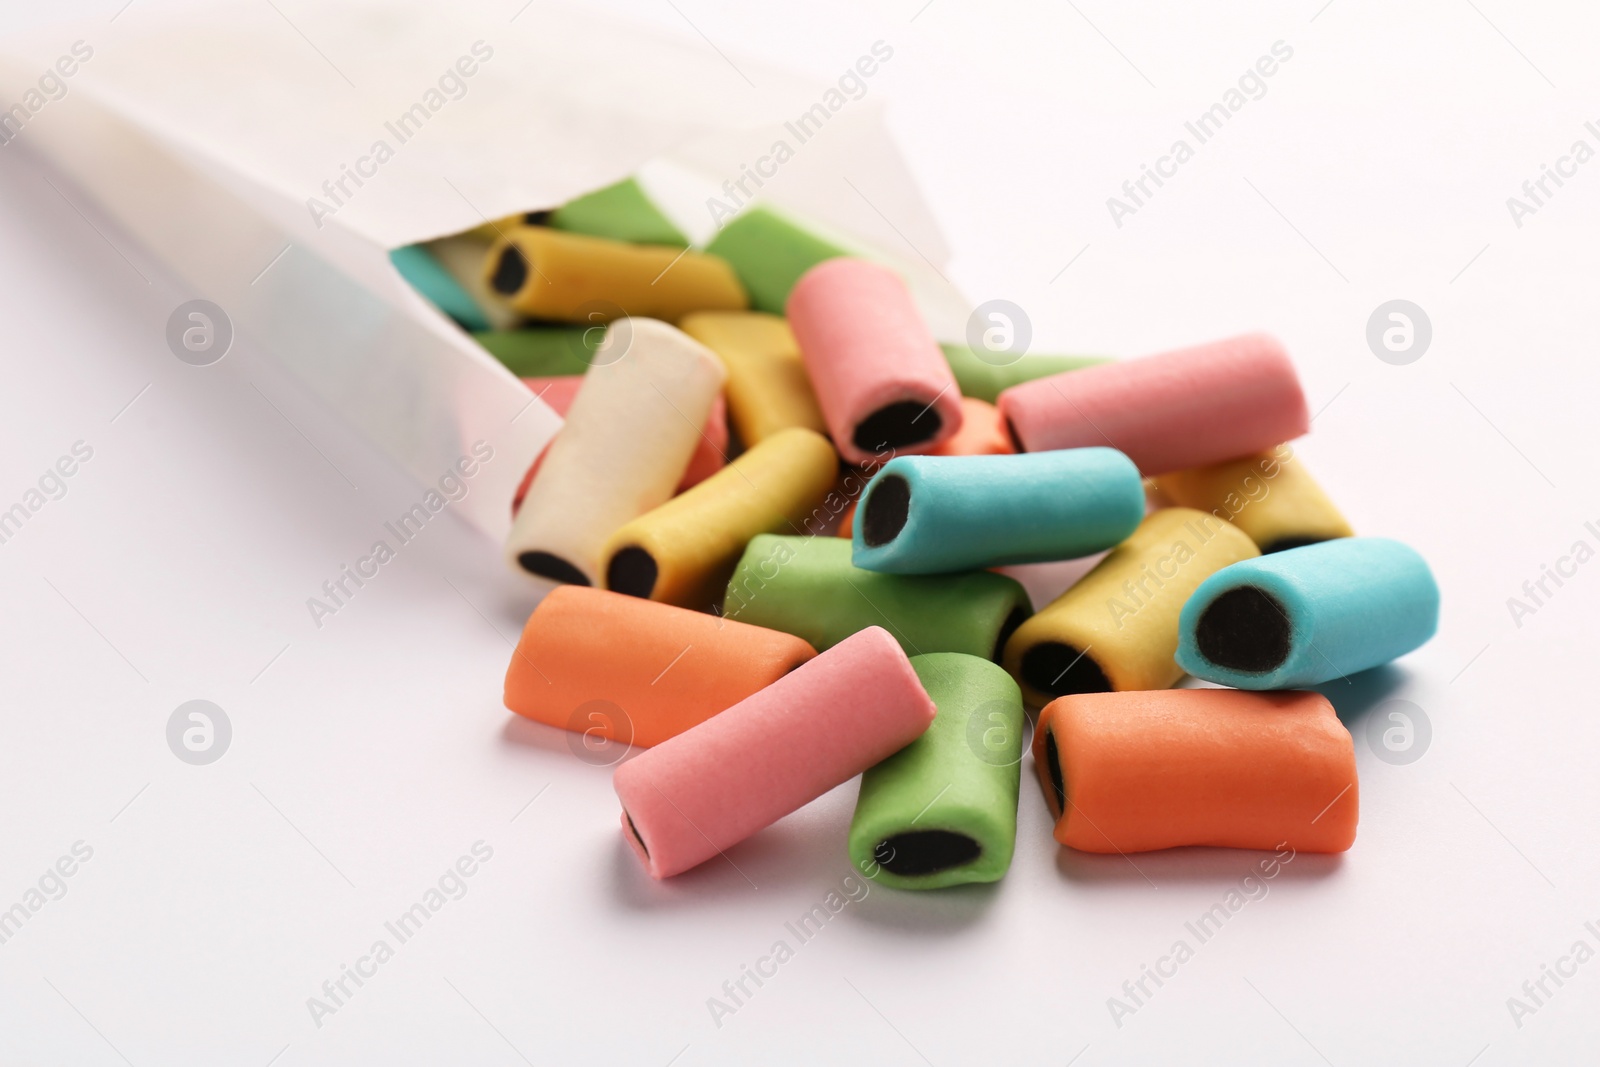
{"type": "Point", "coordinates": [787, 854]}
{"type": "Point", "coordinates": [598, 752]}
{"type": "Point", "coordinates": [927, 912]}
{"type": "Point", "coordinates": [1191, 865]}
{"type": "Point", "coordinates": [1355, 695]}
{"type": "Point", "coordinates": [1188, 864]}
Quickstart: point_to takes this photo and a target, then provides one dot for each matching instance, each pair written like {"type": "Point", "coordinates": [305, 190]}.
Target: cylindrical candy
{"type": "Point", "coordinates": [1117, 628]}
{"type": "Point", "coordinates": [704, 791]}
{"type": "Point", "coordinates": [684, 551]}
{"type": "Point", "coordinates": [626, 442]}
{"type": "Point", "coordinates": [806, 586]}
{"type": "Point", "coordinates": [1131, 772]}
{"type": "Point", "coordinates": [1309, 615]}
{"type": "Point", "coordinates": [549, 274]}
{"type": "Point", "coordinates": [635, 671]}
{"type": "Point", "coordinates": [880, 378]}
{"type": "Point", "coordinates": [558, 393]}
{"type": "Point", "coordinates": [982, 433]}
{"type": "Point", "coordinates": [768, 389]}
{"type": "Point", "coordinates": [543, 351]}
{"type": "Point", "coordinates": [1188, 408]}
{"type": "Point", "coordinates": [852, 483]}
{"type": "Point", "coordinates": [983, 380]}
{"type": "Point", "coordinates": [943, 810]}
{"type": "Point", "coordinates": [769, 253]}
{"type": "Point", "coordinates": [427, 276]}
{"type": "Point", "coordinates": [710, 452]}
{"type": "Point", "coordinates": [462, 256]}
{"type": "Point", "coordinates": [936, 514]}
{"type": "Point", "coordinates": [1269, 496]}
{"type": "Point", "coordinates": [623, 211]}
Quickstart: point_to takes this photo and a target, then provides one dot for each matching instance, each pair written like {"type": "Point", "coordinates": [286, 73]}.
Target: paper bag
{"type": "Point", "coordinates": [272, 154]}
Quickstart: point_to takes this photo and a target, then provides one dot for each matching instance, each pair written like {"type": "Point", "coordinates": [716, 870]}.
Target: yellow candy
{"type": "Point", "coordinates": [684, 551]}
{"type": "Point", "coordinates": [489, 231]}
{"type": "Point", "coordinates": [768, 389]}
{"type": "Point", "coordinates": [1117, 628]}
{"type": "Point", "coordinates": [1269, 496]}
{"type": "Point", "coordinates": [550, 274]}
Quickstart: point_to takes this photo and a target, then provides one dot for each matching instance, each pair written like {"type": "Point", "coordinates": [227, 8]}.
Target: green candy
{"type": "Point", "coordinates": [806, 586]}
{"type": "Point", "coordinates": [984, 381]}
{"type": "Point", "coordinates": [427, 276]}
{"type": "Point", "coordinates": [769, 253]}
{"type": "Point", "coordinates": [622, 212]}
{"type": "Point", "coordinates": [943, 810]}
{"type": "Point", "coordinates": [542, 351]}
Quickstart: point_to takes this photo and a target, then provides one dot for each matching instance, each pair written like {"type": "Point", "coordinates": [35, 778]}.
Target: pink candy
{"type": "Point", "coordinates": [881, 380]}
{"type": "Point", "coordinates": [1182, 409]}
{"type": "Point", "coordinates": [707, 789]}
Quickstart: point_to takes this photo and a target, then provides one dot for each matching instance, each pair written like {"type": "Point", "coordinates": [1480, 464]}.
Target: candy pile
{"type": "Point", "coordinates": [764, 639]}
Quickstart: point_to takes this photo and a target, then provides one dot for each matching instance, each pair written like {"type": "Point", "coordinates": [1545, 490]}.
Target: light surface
{"type": "Point", "coordinates": [372, 752]}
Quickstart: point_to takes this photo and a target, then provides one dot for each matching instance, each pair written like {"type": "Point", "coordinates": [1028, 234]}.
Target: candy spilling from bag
{"type": "Point", "coordinates": [770, 525]}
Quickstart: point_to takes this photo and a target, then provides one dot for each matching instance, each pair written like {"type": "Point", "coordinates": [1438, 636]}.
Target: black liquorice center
{"type": "Point", "coordinates": [886, 510]}
{"type": "Point", "coordinates": [1058, 782]}
{"type": "Point", "coordinates": [1016, 438]}
{"type": "Point", "coordinates": [905, 422]}
{"type": "Point", "coordinates": [634, 830]}
{"type": "Point", "coordinates": [922, 852]}
{"type": "Point", "coordinates": [511, 272]}
{"type": "Point", "coordinates": [549, 565]}
{"type": "Point", "coordinates": [1244, 629]}
{"type": "Point", "coordinates": [1284, 544]}
{"type": "Point", "coordinates": [633, 571]}
{"type": "Point", "coordinates": [1017, 617]}
{"type": "Point", "coordinates": [1058, 669]}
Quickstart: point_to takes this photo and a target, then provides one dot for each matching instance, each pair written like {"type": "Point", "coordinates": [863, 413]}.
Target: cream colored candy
{"type": "Point", "coordinates": [462, 258]}
{"type": "Point", "coordinates": [623, 448]}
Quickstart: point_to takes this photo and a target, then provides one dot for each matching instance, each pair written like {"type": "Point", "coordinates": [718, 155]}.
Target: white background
{"type": "Point", "coordinates": [370, 754]}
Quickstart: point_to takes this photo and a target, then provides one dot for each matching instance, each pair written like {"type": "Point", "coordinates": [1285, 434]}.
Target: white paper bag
{"type": "Point", "coordinates": [271, 155]}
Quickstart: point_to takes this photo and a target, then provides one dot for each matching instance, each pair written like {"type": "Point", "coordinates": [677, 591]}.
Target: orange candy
{"type": "Point", "coordinates": [635, 670]}
{"type": "Point", "coordinates": [982, 433]}
{"type": "Point", "coordinates": [1144, 770]}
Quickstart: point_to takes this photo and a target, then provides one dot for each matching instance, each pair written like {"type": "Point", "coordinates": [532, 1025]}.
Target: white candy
{"type": "Point", "coordinates": [623, 448]}
{"type": "Point", "coordinates": [462, 258]}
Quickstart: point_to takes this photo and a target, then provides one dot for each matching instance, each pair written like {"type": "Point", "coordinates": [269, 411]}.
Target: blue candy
{"type": "Point", "coordinates": [417, 266]}
{"type": "Point", "coordinates": [1308, 615]}
{"type": "Point", "coordinates": [936, 514]}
